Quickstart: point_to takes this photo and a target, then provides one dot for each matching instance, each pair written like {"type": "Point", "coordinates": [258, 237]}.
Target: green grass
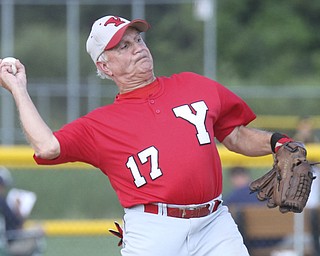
{"type": "Point", "coordinates": [69, 194]}
{"type": "Point", "coordinates": [77, 194]}
{"type": "Point", "coordinates": [82, 246]}
{"type": "Point", "coordinates": [72, 194]}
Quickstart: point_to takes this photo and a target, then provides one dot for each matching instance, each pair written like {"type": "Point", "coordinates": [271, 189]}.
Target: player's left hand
{"type": "Point", "coordinates": [288, 184]}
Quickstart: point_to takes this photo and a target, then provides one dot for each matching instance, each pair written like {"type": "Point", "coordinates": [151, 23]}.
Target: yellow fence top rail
{"type": "Point", "coordinates": [22, 157]}
{"type": "Point", "coordinates": [279, 123]}
{"type": "Point", "coordinates": [74, 227]}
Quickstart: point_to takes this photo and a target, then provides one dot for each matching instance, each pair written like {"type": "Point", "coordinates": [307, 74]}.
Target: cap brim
{"type": "Point", "coordinates": [140, 25]}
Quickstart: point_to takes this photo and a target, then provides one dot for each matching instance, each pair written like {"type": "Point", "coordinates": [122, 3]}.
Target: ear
{"type": "Point", "coordinates": [104, 67]}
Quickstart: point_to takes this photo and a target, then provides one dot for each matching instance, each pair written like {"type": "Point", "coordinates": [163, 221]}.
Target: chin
{"type": "Point", "coordinates": [146, 68]}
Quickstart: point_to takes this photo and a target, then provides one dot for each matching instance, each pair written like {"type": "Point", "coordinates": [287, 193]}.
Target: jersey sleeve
{"type": "Point", "coordinates": [76, 144]}
{"type": "Point", "coordinates": [233, 112]}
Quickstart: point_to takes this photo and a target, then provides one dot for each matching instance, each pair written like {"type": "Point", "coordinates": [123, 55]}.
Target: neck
{"type": "Point", "coordinates": [128, 87]}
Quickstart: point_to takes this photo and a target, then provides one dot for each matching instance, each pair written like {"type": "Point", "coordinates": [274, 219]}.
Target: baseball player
{"type": "Point", "coordinates": [155, 143]}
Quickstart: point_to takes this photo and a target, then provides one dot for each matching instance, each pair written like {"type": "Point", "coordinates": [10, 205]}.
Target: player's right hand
{"type": "Point", "coordinates": [12, 82]}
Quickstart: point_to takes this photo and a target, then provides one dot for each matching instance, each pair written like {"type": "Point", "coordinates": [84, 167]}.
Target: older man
{"type": "Point", "coordinates": [155, 143]}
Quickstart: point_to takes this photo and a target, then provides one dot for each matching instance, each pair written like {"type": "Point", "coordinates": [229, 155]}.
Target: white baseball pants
{"type": "Point", "coordinates": [147, 234]}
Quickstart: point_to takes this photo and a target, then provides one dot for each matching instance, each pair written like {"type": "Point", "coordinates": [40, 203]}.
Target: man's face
{"type": "Point", "coordinates": [131, 58]}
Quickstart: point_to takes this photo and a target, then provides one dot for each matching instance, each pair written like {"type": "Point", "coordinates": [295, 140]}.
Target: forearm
{"type": "Point", "coordinates": [249, 141]}
{"type": "Point", "coordinates": [38, 134]}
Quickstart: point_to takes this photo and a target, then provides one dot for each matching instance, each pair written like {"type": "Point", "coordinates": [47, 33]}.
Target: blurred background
{"type": "Point", "coordinates": [268, 52]}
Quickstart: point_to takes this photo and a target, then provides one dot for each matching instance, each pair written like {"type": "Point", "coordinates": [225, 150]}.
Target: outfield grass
{"type": "Point", "coordinates": [72, 194]}
{"type": "Point", "coordinates": [76, 194]}
{"type": "Point", "coordinates": [82, 246]}
{"type": "Point", "coordinates": [69, 194]}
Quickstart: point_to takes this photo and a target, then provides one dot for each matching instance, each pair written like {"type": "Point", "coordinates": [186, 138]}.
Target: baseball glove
{"type": "Point", "coordinates": [288, 183]}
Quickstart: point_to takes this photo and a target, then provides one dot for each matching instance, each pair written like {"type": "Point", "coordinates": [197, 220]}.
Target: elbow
{"type": "Point", "coordinates": [48, 150]}
{"type": "Point", "coordinates": [231, 141]}
{"type": "Point", "coordinates": [49, 155]}
{"type": "Point", "coordinates": [232, 147]}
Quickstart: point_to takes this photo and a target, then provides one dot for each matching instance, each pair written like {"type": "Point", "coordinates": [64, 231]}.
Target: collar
{"type": "Point", "coordinates": [140, 94]}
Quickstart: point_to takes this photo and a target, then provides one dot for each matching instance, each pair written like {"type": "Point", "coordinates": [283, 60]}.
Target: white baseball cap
{"type": "Point", "coordinates": [107, 32]}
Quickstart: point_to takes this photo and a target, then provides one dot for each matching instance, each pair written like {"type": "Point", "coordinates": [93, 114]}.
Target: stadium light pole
{"type": "Point", "coordinates": [73, 69]}
{"type": "Point", "coordinates": [205, 10]}
{"type": "Point", "coordinates": [7, 49]}
{"type": "Point", "coordinates": [138, 9]}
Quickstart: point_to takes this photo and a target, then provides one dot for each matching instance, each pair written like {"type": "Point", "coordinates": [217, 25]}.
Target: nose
{"type": "Point", "coordinates": [138, 47]}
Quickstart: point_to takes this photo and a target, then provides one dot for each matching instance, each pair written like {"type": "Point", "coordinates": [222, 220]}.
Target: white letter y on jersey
{"type": "Point", "coordinates": [197, 119]}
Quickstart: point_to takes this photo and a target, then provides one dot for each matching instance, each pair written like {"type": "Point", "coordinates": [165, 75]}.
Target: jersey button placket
{"type": "Point", "coordinates": [152, 105]}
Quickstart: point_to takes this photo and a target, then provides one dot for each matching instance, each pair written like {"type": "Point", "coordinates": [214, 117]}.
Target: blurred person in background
{"type": "Point", "coordinates": [13, 218]}
{"type": "Point", "coordinates": [306, 133]}
{"type": "Point", "coordinates": [240, 178]}
{"type": "Point", "coordinates": [17, 241]}
{"type": "Point", "coordinates": [240, 197]}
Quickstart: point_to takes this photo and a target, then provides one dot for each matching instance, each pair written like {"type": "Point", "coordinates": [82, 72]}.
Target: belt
{"type": "Point", "coordinates": [184, 212]}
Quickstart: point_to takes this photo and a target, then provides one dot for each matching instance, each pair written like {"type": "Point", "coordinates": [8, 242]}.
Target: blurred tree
{"type": "Point", "coordinates": [43, 51]}
{"type": "Point", "coordinates": [265, 42]}
{"type": "Point", "coordinates": [176, 39]}
{"type": "Point", "coordinates": [259, 42]}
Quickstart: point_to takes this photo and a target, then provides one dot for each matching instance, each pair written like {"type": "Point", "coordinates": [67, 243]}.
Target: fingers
{"type": "Point", "coordinates": [7, 77]}
{"type": "Point", "coordinates": [6, 67]}
{"type": "Point", "coordinates": [20, 66]}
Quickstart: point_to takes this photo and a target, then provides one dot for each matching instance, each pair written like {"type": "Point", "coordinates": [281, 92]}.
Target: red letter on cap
{"type": "Point", "coordinates": [114, 20]}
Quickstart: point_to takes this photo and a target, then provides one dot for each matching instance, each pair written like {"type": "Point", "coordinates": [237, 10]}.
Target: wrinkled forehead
{"type": "Point", "coordinates": [130, 34]}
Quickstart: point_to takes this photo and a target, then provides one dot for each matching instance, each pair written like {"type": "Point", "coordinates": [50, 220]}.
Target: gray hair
{"type": "Point", "coordinates": [100, 73]}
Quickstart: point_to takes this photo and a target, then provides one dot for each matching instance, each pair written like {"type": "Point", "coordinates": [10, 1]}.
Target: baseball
{"type": "Point", "coordinates": [12, 61]}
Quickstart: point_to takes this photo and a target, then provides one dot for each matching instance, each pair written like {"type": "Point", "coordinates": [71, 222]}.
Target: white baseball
{"type": "Point", "coordinates": [12, 61]}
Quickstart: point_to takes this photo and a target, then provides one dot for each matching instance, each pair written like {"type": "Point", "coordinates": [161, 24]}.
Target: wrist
{"type": "Point", "coordinates": [277, 140]}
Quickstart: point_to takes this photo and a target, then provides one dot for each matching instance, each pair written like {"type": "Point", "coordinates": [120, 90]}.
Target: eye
{"type": "Point", "coordinates": [123, 46]}
{"type": "Point", "coordinates": [139, 39]}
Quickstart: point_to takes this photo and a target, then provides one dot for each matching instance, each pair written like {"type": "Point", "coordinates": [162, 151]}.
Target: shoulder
{"type": "Point", "coordinates": [98, 114]}
{"type": "Point", "coordinates": [190, 79]}
{"type": "Point", "coordinates": [188, 75]}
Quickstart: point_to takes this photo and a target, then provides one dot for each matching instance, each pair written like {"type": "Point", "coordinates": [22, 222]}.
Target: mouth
{"type": "Point", "coordinates": [141, 58]}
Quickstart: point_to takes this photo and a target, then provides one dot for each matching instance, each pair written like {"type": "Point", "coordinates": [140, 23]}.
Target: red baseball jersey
{"type": "Point", "coordinates": [156, 143]}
